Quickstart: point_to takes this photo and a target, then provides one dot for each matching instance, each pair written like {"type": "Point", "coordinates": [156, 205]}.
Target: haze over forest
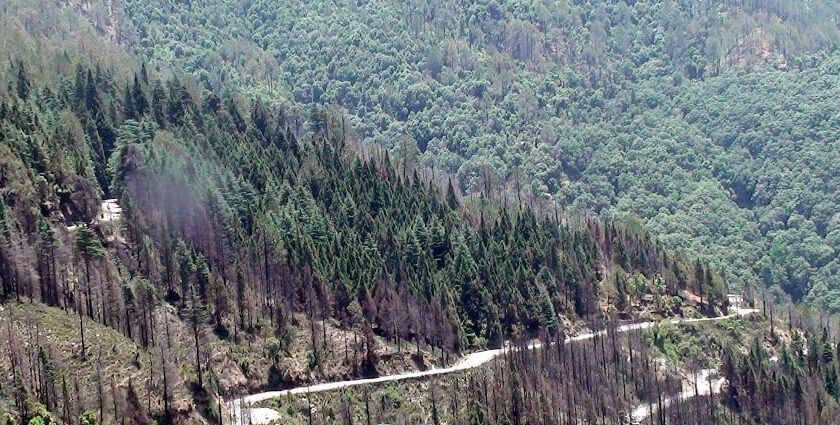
{"type": "Point", "coordinates": [204, 200]}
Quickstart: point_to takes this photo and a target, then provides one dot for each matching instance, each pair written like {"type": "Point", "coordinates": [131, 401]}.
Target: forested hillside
{"type": "Point", "coordinates": [714, 122]}
{"type": "Point", "coordinates": [242, 246]}
{"type": "Point", "coordinates": [735, 372]}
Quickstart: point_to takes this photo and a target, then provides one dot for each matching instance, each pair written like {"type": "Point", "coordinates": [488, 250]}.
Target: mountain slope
{"type": "Point", "coordinates": [246, 256]}
{"type": "Point", "coordinates": [730, 371]}
{"type": "Point", "coordinates": [663, 109]}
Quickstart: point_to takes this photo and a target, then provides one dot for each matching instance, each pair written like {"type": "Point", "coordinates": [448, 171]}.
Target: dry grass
{"type": "Point", "coordinates": [338, 358]}
{"type": "Point", "coordinates": [231, 368]}
{"type": "Point", "coordinates": [34, 325]}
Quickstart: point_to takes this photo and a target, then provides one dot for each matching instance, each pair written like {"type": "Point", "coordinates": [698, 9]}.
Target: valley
{"type": "Point", "coordinates": [422, 212]}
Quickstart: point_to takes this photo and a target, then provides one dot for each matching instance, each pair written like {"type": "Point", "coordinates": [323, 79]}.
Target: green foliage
{"type": "Point", "coordinates": [245, 363]}
{"type": "Point", "coordinates": [88, 242]}
{"type": "Point", "coordinates": [274, 349]}
{"type": "Point", "coordinates": [196, 312]}
{"type": "Point", "coordinates": [807, 384]}
{"type": "Point", "coordinates": [88, 418]}
{"type": "Point", "coordinates": [41, 416]}
{"type": "Point", "coordinates": [670, 305]}
{"type": "Point", "coordinates": [477, 416]}
{"type": "Point", "coordinates": [664, 109]}
{"type": "Point", "coordinates": [214, 410]}
{"type": "Point", "coordinates": [229, 212]}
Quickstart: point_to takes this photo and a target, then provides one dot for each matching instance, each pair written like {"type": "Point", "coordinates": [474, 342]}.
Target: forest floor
{"type": "Point", "coordinates": [704, 383]}
{"type": "Point", "coordinates": [233, 367]}
{"type": "Point", "coordinates": [26, 326]}
{"type": "Point", "coordinates": [240, 410]}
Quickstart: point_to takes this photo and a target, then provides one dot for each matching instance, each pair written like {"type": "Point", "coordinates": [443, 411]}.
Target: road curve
{"type": "Point", "coordinates": [240, 411]}
{"type": "Point", "coordinates": [701, 386]}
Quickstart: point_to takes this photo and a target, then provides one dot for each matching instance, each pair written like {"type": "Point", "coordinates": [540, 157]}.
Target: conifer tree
{"type": "Point", "coordinates": [23, 85]}
{"type": "Point", "coordinates": [196, 317]}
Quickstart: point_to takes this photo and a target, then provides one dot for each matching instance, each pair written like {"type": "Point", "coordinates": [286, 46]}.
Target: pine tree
{"type": "Point", "coordinates": [138, 97]}
{"type": "Point", "coordinates": [130, 306]}
{"type": "Point", "coordinates": [89, 248]}
{"type": "Point", "coordinates": [186, 269]}
{"type": "Point", "coordinates": [221, 303]}
{"type": "Point", "coordinates": [23, 85]}
{"type": "Point", "coordinates": [832, 385]}
{"type": "Point", "coordinates": [700, 280]}
{"type": "Point", "coordinates": [196, 317]}
{"type": "Point", "coordinates": [48, 260]}
{"type": "Point", "coordinates": [451, 197]}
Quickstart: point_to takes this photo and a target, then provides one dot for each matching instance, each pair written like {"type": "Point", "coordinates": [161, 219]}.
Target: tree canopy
{"type": "Point", "coordinates": [666, 109]}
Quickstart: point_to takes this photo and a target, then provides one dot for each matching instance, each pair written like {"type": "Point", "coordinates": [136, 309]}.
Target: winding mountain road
{"type": "Point", "coordinates": [240, 411]}
{"type": "Point", "coordinates": [702, 386]}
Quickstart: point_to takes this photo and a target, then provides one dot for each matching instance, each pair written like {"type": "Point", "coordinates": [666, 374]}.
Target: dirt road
{"type": "Point", "coordinates": [240, 411]}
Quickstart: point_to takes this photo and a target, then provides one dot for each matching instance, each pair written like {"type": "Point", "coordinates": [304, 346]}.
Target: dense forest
{"type": "Point", "coordinates": [200, 200]}
{"type": "Point", "coordinates": [219, 195]}
{"type": "Point", "coordinates": [236, 232]}
{"type": "Point", "coordinates": [663, 109]}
